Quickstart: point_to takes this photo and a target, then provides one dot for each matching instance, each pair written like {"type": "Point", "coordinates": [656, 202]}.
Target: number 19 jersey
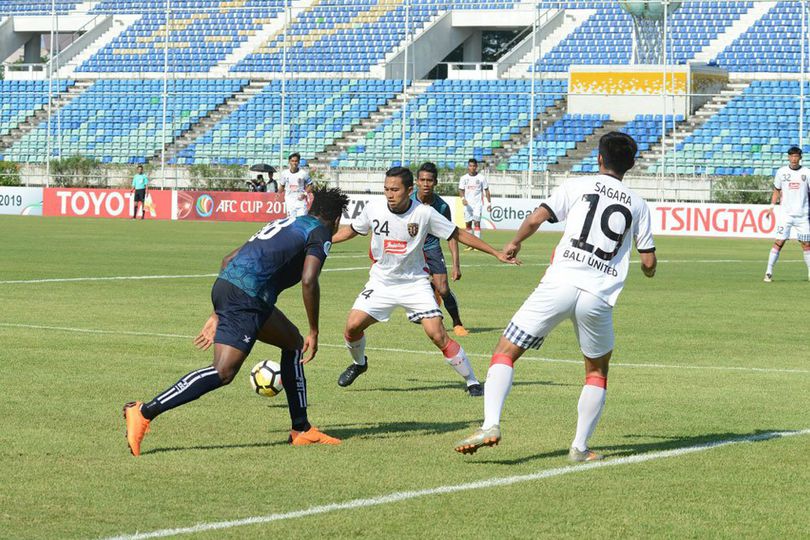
{"type": "Point", "coordinates": [601, 215]}
{"type": "Point", "coordinates": [397, 239]}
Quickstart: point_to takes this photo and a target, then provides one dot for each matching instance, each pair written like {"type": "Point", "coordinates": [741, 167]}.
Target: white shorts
{"type": "Point", "coordinates": [297, 210]}
{"type": "Point", "coordinates": [417, 298]}
{"type": "Point", "coordinates": [472, 213]}
{"type": "Point", "coordinates": [801, 224]}
{"type": "Point", "coordinates": [549, 305]}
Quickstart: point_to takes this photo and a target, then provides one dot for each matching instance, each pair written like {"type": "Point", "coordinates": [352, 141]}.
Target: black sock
{"type": "Point", "coordinates": [190, 387]}
{"type": "Point", "coordinates": [295, 387]}
{"type": "Point", "coordinates": [451, 305]}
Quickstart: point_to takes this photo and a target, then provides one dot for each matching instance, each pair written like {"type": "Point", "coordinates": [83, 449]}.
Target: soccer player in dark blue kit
{"type": "Point", "coordinates": [426, 179]}
{"type": "Point", "coordinates": [277, 257]}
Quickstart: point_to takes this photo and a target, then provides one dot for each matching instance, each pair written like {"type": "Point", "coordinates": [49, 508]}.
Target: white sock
{"type": "Point", "coordinates": [807, 259]}
{"type": "Point", "coordinates": [457, 359]}
{"type": "Point", "coordinates": [478, 232]}
{"type": "Point", "coordinates": [591, 403]}
{"type": "Point", "coordinates": [496, 388]}
{"type": "Point", "coordinates": [772, 258]}
{"type": "Point", "coordinates": [357, 349]}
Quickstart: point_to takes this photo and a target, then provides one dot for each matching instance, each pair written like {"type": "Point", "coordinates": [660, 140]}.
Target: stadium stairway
{"type": "Point", "coordinates": [740, 26]}
{"type": "Point", "coordinates": [688, 126]}
{"type": "Point", "coordinates": [41, 115]}
{"type": "Point", "coordinates": [248, 92]}
{"type": "Point", "coordinates": [359, 131]}
{"type": "Point", "coordinates": [519, 140]}
{"type": "Point", "coordinates": [583, 149]}
{"type": "Point", "coordinates": [572, 19]}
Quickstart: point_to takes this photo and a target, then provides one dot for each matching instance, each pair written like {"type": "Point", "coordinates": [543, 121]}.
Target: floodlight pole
{"type": "Point", "coordinates": [287, 16]}
{"type": "Point", "coordinates": [802, 77]}
{"type": "Point", "coordinates": [532, 112]}
{"type": "Point", "coordinates": [405, 83]}
{"type": "Point", "coordinates": [50, 99]}
{"type": "Point", "coordinates": [165, 97]}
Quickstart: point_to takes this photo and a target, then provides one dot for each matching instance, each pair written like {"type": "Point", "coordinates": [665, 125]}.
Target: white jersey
{"type": "Point", "coordinates": [473, 187]}
{"type": "Point", "coordinates": [397, 239]}
{"type": "Point", "coordinates": [601, 215]}
{"type": "Point", "coordinates": [294, 186]}
{"type": "Point", "coordinates": [794, 186]}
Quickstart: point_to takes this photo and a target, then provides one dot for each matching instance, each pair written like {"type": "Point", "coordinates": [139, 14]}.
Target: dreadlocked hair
{"type": "Point", "coordinates": [328, 203]}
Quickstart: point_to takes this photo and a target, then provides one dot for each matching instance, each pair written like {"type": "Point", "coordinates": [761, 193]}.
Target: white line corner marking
{"type": "Point", "coordinates": [441, 490]}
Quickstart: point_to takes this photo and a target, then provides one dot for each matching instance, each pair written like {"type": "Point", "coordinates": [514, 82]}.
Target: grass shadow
{"type": "Point", "coordinates": [424, 386]}
{"type": "Point", "coordinates": [642, 447]}
{"type": "Point", "coordinates": [381, 430]}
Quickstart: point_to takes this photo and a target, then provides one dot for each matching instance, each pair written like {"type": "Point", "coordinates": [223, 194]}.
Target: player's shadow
{"type": "Point", "coordinates": [395, 430]}
{"type": "Point", "coordinates": [378, 430]}
{"type": "Point", "coordinates": [281, 442]}
{"type": "Point", "coordinates": [423, 386]}
{"type": "Point", "coordinates": [642, 447]}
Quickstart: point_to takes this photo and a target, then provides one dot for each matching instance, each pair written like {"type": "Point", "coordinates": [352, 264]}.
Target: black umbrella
{"type": "Point", "coordinates": [263, 167]}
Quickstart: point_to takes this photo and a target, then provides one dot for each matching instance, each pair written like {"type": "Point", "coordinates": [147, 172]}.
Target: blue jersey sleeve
{"type": "Point", "coordinates": [319, 242]}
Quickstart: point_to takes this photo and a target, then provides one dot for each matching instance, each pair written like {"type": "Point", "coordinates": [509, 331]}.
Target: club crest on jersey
{"type": "Point", "coordinates": [413, 229]}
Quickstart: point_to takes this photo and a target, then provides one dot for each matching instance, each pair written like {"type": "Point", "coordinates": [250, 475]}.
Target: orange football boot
{"type": "Point", "coordinates": [460, 331]}
{"type": "Point", "coordinates": [311, 436]}
{"type": "Point", "coordinates": [137, 426]}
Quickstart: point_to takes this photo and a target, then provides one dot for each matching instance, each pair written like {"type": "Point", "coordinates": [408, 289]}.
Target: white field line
{"type": "Point", "coordinates": [400, 496]}
{"type": "Point", "coordinates": [431, 352]}
{"type": "Point", "coordinates": [349, 269]}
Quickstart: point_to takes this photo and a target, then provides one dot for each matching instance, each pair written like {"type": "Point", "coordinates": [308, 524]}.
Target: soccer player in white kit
{"type": "Point", "coordinates": [399, 276]}
{"type": "Point", "coordinates": [790, 187]}
{"type": "Point", "coordinates": [296, 185]}
{"type": "Point", "coordinates": [471, 188]}
{"type": "Point", "coordinates": [585, 277]}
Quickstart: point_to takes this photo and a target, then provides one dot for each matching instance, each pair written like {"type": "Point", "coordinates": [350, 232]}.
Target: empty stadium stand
{"type": "Point", "coordinates": [120, 121]}
{"type": "Point", "coordinates": [317, 112]}
{"type": "Point", "coordinates": [454, 120]}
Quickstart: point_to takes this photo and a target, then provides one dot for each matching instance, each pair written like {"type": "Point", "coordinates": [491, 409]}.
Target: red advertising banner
{"type": "Point", "coordinates": [104, 203]}
{"type": "Point", "coordinates": [230, 206]}
{"type": "Point", "coordinates": [717, 220]}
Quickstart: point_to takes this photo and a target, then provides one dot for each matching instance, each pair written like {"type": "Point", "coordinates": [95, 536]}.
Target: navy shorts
{"type": "Point", "coordinates": [241, 316]}
{"type": "Point", "coordinates": [435, 261]}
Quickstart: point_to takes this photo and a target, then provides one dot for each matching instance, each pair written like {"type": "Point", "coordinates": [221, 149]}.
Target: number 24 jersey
{"type": "Point", "coordinates": [601, 216]}
{"type": "Point", "coordinates": [397, 239]}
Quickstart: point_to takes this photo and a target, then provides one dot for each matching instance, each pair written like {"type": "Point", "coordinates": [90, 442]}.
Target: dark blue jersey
{"type": "Point", "coordinates": [439, 204]}
{"type": "Point", "coordinates": [273, 259]}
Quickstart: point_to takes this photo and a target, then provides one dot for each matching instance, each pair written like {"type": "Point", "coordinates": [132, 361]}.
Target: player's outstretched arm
{"type": "Point", "coordinates": [343, 234]}
{"type": "Point", "coordinates": [529, 226]}
{"type": "Point", "coordinates": [649, 262]}
{"type": "Point", "coordinates": [476, 243]}
{"type": "Point", "coordinates": [456, 271]}
{"type": "Point", "coordinates": [311, 291]}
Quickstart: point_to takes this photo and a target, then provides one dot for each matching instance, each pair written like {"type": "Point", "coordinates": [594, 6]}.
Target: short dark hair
{"type": "Point", "coordinates": [403, 173]}
{"type": "Point", "coordinates": [429, 167]}
{"type": "Point", "coordinates": [472, 160]}
{"type": "Point", "coordinates": [294, 154]}
{"type": "Point", "coordinates": [140, 167]}
{"type": "Point", "coordinates": [328, 203]}
{"type": "Point", "coordinates": [618, 151]}
{"type": "Point", "coordinates": [794, 150]}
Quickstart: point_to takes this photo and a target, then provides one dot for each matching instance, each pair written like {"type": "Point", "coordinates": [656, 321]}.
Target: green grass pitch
{"type": "Point", "coordinates": [705, 352]}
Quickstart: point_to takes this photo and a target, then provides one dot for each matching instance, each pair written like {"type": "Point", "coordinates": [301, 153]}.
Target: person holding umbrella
{"type": "Point", "coordinates": [260, 185]}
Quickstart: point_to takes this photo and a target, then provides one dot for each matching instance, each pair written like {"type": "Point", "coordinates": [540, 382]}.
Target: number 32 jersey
{"type": "Point", "coordinates": [397, 239]}
{"type": "Point", "coordinates": [601, 216]}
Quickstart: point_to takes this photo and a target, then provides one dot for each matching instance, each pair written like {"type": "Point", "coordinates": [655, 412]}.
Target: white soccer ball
{"type": "Point", "coordinates": [265, 378]}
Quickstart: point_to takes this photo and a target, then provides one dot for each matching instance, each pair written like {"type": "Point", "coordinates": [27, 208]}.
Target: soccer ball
{"type": "Point", "coordinates": [265, 378]}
